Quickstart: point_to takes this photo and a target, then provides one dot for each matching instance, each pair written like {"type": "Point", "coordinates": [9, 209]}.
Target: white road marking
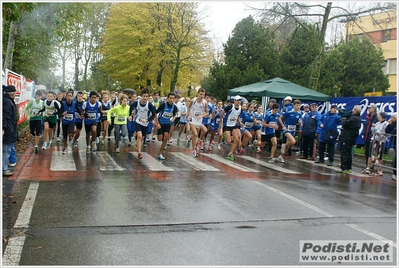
{"type": "Point", "coordinates": [353, 226]}
{"type": "Point", "coordinates": [230, 163]}
{"type": "Point", "coordinates": [107, 163]}
{"type": "Point", "coordinates": [13, 251]}
{"type": "Point", "coordinates": [62, 162]}
{"type": "Point", "coordinates": [26, 209]}
{"type": "Point", "coordinates": [269, 165]}
{"type": "Point", "coordinates": [330, 167]}
{"type": "Point", "coordinates": [151, 163]}
{"type": "Point", "coordinates": [197, 164]}
{"type": "Point", "coordinates": [374, 235]}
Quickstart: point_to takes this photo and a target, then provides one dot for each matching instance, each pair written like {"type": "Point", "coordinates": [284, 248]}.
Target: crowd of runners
{"type": "Point", "coordinates": [203, 121]}
{"type": "Point", "coordinates": [144, 117]}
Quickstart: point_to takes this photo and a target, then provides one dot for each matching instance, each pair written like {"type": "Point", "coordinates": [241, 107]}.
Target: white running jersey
{"type": "Point", "coordinates": [197, 109]}
{"type": "Point", "coordinates": [232, 117]}
{"type": "Point", "coordinates": [142, 113]}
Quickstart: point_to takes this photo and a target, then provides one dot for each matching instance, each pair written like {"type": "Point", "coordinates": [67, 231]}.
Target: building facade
{"type": "Point", "coordinates": [381, 30]}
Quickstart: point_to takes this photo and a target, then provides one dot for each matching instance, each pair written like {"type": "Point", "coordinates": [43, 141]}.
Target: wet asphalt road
{"type": "Point", "coordinates": [128, 214]}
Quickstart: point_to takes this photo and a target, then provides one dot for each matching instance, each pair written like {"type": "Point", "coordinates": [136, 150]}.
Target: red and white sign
{"type": "Point", "coordinates": [24, 89]}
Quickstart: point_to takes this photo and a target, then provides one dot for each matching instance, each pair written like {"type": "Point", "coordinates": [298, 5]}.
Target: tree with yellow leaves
{"type": "Point", "coordinates": [160, 43]}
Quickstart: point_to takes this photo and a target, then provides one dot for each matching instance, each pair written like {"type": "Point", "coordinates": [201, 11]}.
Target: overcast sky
{"type": "Point", "coordinates": [224, 15]}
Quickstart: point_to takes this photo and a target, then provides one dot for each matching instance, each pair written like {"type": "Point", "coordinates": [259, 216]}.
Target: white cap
{"type": "Point", "coordinates": [288, 98]}
{"type": "Point", "coordinates": [238, 97]}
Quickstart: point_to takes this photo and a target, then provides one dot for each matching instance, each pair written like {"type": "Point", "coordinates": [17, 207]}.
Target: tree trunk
{"type": "Point", "coordinates": [10, 44]}
{"type": "Point", "coordinates": [175, 72]}
{"type": "Point", "coordinates": [318, 62]}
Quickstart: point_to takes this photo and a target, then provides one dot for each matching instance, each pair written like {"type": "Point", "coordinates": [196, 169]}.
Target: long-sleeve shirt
{"type": "Point", "coordinates": [121, 114]}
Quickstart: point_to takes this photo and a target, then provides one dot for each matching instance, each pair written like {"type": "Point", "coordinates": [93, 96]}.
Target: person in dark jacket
{"type": "Point", "coordinates": [350, 131]}
{"type": "Point", "coordinates": [371, 119]}
{"type": "Point", "coordinates": [10, 133]}
{"type": "Point", "coordinates": [391, 129]}
{"type": "Point", "coordinates": [330, 121]}
{"type": "Point", "coordinates": [311, 130]}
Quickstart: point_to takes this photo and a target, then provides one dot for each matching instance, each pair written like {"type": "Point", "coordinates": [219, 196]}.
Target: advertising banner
{"type": "Point", "coordinates": [385, 104]}
{"type": "Point", "coordinates": [25, 90]}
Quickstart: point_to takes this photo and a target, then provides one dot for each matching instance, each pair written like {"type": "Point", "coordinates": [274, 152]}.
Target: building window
{"type": "Point", "coordinates": [386, 35]}
{"type": "Point", "coordinates": [390, 66]}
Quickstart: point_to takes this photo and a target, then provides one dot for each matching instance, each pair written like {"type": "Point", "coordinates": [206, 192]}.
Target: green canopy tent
{"type": "Point", "coordinates": [278, 88]}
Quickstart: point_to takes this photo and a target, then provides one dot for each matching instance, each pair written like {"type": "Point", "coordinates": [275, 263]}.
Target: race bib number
{"type": "Point", "coordinates": [121, 119]}
{"type": "Point", "coordinates": [232, 119]}
{"type": "Point", "coordinates": [272, 123]}
{"type": "Point", "coordinates": [291, 127]}
{"type": "Point", "coordinates": [91, 115]}
{"type": "Point", "coordinates": [49, 112]}
{"type": "Point", "coordinates": [196, 114]}
{"type": "Point", "coordinates": [248, 124]}
{"type": "Point", "coordinates": [217, 120]}
{"type": "Point", "coordinates": [142, 120]}
{"type": "Point", "coordinates": [35, 111]}
{"type": "Point", "coordinates": [68, 117]}
{"type": "Point", "coordinates": [167, 115]}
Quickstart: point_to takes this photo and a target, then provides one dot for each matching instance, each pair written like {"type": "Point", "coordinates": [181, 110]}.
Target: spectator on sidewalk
{"type": "Point", "coordinates": [378, 143]}
{"type": "Point", "coordinates": [350, 131]}
{"type": "Point", "coordinates": [9, 131]}
{"type": "Point", "coordinates": [371, 119]}
{"type": "Point", "coordinates": [391, 129]}
{"type": "Point", "coordinates": [328, 134]}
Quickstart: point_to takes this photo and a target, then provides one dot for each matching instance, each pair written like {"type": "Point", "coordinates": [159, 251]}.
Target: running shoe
{"type": "Point", "coordinates": [170, 141]}
{"type": "Point", "coordinates": [195, 154]}
{"type": "Point", "coordinates": [231, 157]}
{"type": "Point", "coordinates": [88, 150]}
{"type": "Point", "coordinates": [242, 151]}
{"type": "Point", "coordinates": [209, 148]}
{"type": "Point", "coordinates": [63, 151]}
{"type": "Point", "coordinates": [97, 140]}
{"type": "Point", "coordinates": [281, 159]}
{"type": "Point", "coordinates": [272, 160]}
{"type": "Point", "coordinates": [44, 147]}
{"type": "Point", "coordinates": [219, 148]}
{"type": "Point", "coordinates": [140, 155]}
{"type": "Point", "coordinates": [117, 150]}
{"type": "Point", "coordinates": [93, 146]}
{"type": "Point", "coordinates": [12, 164]}
{"type": "Point", "coordinates": [58, 139]}
{"type": "Point", "coordinates": [367, 171]}
{"type": "Point", "coordinates": [238, 152]}
{"type": "Point", "coordinates": [258, 150]}
{"type": "Point", "coordinates": [36, 149]}
{"type": "Point", "coordinates": [347, 171]}
{"type": "Point", "coordinates": [393, 177]}
{"type": "Point", "coordinates": [109, 138]}
{"type": "Point", "coordinates": [49, 144]}
{"type": "Point", "coordinates": [380, 173]}
{"type": "Point", "coordinates": [178, 141]}
{"type": "Point", "coordinates": [160, 157]}
{"type": "Point", "coordinates": [75, 144]}
{"type": "Point", "coordinates": [129, 144]}
{"type": "Point", "coordinates": [124, 139]}
{"type": "Point", "coordinates": [200, 144]}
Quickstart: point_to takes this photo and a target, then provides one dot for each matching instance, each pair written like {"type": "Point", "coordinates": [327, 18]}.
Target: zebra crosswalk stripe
{"type": "Point", "coordinates": [62, 162]}
{"type": "Point", "coordinates": [230, 163]}
{"type": "Point", "coordinates": [195, 162]}
{"type": "Point", "coordinates": [269, 165]}
{"type": "Point", "coordinates": [107, 163]}
{"type": "Point", "coordinates": [329, 167]}
{"type": "Point", "coordinates": [151, 163]}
